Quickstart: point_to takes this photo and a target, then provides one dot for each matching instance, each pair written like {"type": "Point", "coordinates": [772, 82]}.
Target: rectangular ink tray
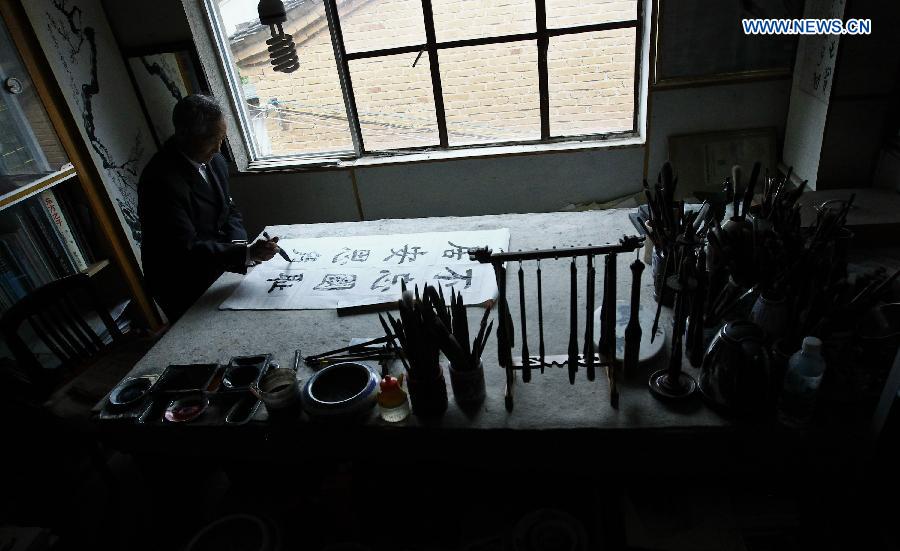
{"type": "Point", "coordinates": [180, 378]}
{"type": "Point", "coordinates": [231, 409]}
{"type": "Point", "coordinates": [130, 413]}
{"type": "Point", "coordinates": [243, 371]}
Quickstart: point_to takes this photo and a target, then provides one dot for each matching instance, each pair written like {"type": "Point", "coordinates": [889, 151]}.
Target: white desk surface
{"type": "Point", "coordinates": [207, 334]}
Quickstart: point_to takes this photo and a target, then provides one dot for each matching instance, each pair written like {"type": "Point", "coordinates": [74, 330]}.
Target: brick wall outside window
{"type": "Point", "coordinates": [490, 92]}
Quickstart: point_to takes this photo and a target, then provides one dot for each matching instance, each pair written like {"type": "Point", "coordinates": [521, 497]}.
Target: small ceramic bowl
{"type": "Point", "coordinates": [278, 388]}
{"type": "Point", "coordinates": [186, 408]}
{"type": "Point", "coordinates": [340, 390]}
{"type": "Point", "coordinates": [129, 392]}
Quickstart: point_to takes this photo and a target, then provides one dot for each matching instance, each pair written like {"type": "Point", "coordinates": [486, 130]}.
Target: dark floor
{"type": "Point", "coordinates": [57, 476]}
{"type": "Point", "coordinates": [54, 482]}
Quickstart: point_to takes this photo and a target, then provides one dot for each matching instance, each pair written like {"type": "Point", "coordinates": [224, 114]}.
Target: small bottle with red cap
{"type": "Point", "coordinates": [393, 403]}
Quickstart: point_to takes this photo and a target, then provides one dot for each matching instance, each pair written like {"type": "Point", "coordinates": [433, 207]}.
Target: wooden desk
{"type": "Point", "coordinates": [559, 435]}
{"type": "Point", "coordinates": [206, 334]}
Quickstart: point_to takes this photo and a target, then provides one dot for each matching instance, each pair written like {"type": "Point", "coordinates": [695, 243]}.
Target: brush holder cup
{"type": "Point", "coordinates": [428, 394]}
{"type": "Point", "coordinates": [468, 384]}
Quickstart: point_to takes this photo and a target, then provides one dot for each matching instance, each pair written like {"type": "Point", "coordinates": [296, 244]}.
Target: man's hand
{"type": "Point", "coordinates": [263, 249]}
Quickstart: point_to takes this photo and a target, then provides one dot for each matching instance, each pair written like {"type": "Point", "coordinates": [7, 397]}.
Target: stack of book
{"type": "Point", "coordinates": [50, 242]}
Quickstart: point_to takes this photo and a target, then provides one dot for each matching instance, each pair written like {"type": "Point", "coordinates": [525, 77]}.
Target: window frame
{"type": "Point", "coordinates": [359, 155]}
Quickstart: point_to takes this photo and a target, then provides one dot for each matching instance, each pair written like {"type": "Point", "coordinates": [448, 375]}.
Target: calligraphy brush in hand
{"type": "Point", "coordinates": [283, 254]}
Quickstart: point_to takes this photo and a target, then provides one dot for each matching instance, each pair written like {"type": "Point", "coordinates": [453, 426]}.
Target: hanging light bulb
{"type": "Point", "coordinates": [282, 51]}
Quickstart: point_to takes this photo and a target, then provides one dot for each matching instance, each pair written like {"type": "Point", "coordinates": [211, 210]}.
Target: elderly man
{"type": "Point", "coordinates": [192, 229]}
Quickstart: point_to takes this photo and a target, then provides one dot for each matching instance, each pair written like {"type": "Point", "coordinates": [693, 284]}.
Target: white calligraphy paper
{"type": "Point", "coordinates": [340, 272]}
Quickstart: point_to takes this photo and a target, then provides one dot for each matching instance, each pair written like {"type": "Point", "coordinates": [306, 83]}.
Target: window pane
{"type": "Point", "coordinates": [395, 102]}
{"type": "Point", "coordinates": [591, 82]}
{"type": "Point", "coordinates": [381, 24]}
{"type": "Point", "coordinates": [574, 13]}
{"type": "Point", "coordinates": [29, 148]}
{"type": "Point", "coordinates": [295, 113]}
{"type": "Point", "coordinates": [463, 19]}
{"type": "Point", "coordinates": [491, 93]}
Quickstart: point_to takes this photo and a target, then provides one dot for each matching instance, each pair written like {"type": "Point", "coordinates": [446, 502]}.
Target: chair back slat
{"type": "Point", "coordinates": [57, 331]}
{"type": "Point", "coordinates": [81, 333]}
{"type": "Point", "coordinates": [64, 328]}
{"type": "Point", "coordinates": [49, 338]}
{"type": "Point", "coordinates": [95, 343]}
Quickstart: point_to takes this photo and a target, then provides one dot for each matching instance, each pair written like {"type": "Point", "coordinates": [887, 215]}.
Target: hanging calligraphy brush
{"type": "Point", "coordinates": [526, 358]}
{"type": "Point", "coordinates": [572, 362]}
{"type": "Point", "coordinates": [589, 320]}
{"type": "Point", "coordinates": [633, 329]}
{"type": "Point", "coordinates": [541, 350]}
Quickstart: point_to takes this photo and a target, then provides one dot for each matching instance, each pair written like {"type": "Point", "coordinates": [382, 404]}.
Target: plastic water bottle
{"type": "Point", "coordinates": [801, 384]}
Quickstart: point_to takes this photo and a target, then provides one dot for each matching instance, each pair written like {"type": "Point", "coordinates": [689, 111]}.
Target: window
{"type": "Point", "coordinates": [29, 148]}
{"type": "Point", "coordinates": [389, 76]}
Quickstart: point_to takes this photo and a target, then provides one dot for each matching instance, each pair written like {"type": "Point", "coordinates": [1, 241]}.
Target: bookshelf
{"type": "Point", "coordinates": [46, 232]}
{"type": "Point", "coordinates": [30, 189]}
{"type": "Point", "coordinates": [49, 157]}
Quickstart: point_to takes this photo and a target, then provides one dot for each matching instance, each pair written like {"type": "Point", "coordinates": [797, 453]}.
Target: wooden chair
{"type": "Point", "coordinates": [58, 314]}
{"type": "Point", "coordinates": [92, 360]}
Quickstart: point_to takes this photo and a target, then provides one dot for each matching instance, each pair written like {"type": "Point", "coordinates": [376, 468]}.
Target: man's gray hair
{"type": "Point", "coordinates": [195, 117]}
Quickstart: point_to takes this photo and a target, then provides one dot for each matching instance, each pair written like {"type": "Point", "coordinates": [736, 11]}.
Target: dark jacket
{"type": "Point", "coordinates": [188, 228]}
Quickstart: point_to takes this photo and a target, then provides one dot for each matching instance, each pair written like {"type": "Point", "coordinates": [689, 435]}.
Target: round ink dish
{"type": "Point", "coordinates": [340, 390]}
{"type": "Point", "coordinates": [129, 392]}
{"type": "Point", "coordinates": [186, 408]}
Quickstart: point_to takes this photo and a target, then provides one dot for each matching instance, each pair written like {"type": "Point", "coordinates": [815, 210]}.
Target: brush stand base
{"type": "Point", "coordinates": [663, 386]}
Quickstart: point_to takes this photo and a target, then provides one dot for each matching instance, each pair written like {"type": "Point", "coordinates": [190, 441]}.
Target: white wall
{"type": "Point", "coordinates": [532, 183]}
{"type": "Point", "coordinates": [712, 108]}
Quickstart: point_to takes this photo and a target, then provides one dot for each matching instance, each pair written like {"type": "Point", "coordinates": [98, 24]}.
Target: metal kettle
{"type": "Point", "coordinates": [736, 375]}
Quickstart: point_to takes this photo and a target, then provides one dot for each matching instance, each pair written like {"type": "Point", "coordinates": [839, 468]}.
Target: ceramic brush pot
{"type": "Point", "coordinates": [340, 391]}
{"type": "Point", "coordinates": [468, 384]}
{"type": "Point", "coordinates": [428, 393]}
